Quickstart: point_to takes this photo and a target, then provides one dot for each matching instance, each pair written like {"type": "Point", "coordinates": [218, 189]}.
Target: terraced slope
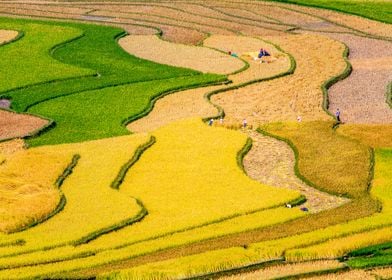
{"type": "Point", "coordinates": [214, 207]}
{"type": "Point", "coordinates": [96, 50]}
{"type": "Point", "coordinates": [239, 239]}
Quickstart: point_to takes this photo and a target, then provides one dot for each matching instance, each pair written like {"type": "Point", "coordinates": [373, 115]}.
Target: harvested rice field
{"type": "Point", "coordinates": [14, 125]}
{"type": "Point", "coordinates": [195, 139]}
{"type": "Point", "coordinates": [198, 58]}
{"type": "Point", "coordinates": [7, 35]}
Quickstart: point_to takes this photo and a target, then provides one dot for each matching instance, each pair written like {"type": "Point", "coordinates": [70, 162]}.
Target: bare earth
{"type": "Point", "coordinates": [14, 125]}
{"type": "Point", "coordinates": [202, 59]}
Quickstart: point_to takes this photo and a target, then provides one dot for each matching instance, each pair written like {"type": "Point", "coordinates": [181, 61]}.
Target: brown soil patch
{"type": "Point", "coordinates": [7, 35]}
{"type": "Point", "coordinates": [318, 59]}
{"type": "Point", "coordinates": [202, 59]}
{"type": "Point", "coordinates": [272, 162]}
{"type": "Point", "coordinates": [14, 125]}
{"type": "Point", "coordinates": [286, 270]}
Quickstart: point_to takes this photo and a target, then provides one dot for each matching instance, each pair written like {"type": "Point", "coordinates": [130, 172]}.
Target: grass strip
{"type": "Point", "coordinates": [124, 169]}
{"type": "Point", "coordinates": [68, 171]}
{"type": "Point", "coordinates": [127, 222]}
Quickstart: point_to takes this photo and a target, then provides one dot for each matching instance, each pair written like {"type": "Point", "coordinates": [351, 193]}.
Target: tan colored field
{"type": "Point", "coordinates": [318, 59]}
{"type": "Point", "coordinates": [272, 162]}
{"type": "Point", "coordinates": [191, 103]}
{"type": "Point", "coordinates": [8, 148]}
{"type": "Point", "coordinates": [376, 136]}
{"type": "Point", "coordinates": [184, 104]}
{"type": "Point", "coordinates": [234, 25]}
{"type": "Point", "coordinates": [164, 19]}
{"type": "Point", "coordinates": [14, 125]}
{"type": "Point", "coordinates": [355, 22]}
{"type": "Point", "coordinates": [246, 46]}
{"type": "Point", "coordinates": [7, 35]}
{"type": "Point", "coordinates": [202, 59]}
{"type": "Point", "coordinates": [361, 96]}
{"type": "Point", "coordinates": [286, 270]}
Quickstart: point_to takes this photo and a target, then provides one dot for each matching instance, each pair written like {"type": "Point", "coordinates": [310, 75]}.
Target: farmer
{"type": "Point", "coordinates": [263, 52]}
{"type": "Point", "coordinates": [244, 123]}
{"type": "Point", "coordinates": [210, 122]}
{"type": "Point", "coordinates": [337, 114]}
{"type": "Point", "coordinates": [233, 54]}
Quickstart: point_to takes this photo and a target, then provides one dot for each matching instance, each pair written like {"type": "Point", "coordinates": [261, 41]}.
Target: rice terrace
{"type": "Point", "coordinates": [196, 139]}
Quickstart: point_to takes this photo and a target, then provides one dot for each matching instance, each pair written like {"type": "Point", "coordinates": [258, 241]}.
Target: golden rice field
{"type": "Point", "coordinates": [249, 178]}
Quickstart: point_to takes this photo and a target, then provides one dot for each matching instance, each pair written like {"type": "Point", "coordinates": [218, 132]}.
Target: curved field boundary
{"type": "Point", "coordinates": [70, 71]}
{"type": "Point", "coordinates": [221, 113]}
{"type": "Point", "coordinates": [63, 200]}
{"type": "Point", "coordinates": [124, 169]}
{"type": "Point", "coordinates": [355, 30]}
{"type": "Point", "coordinates": [202, 16]}
{"type": "Point", "coordinates": [9, 36]}
{"type": "Point", "coordinates": [345, 7]}
{"type": "Point", "coordinates": [290, 270]}
{"type": "Point", "coordinates": [45, 124]}
{"type": "Point", "coordinates": [198, 58]}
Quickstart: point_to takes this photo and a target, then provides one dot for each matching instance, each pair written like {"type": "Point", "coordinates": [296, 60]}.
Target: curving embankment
{"type": "Point", "coordinates": [27, 185]}
{"type": "Point", "coordinates": [272, 162]}
{"type": "Point", "coordinates": [298, 95]}
{"type": "Point", "coordinates": [192, 103]}
{"type": "Point", "coordinates": [7, 35]}
{"type": "Point", "coordinates": [13, 125]}
{"type": "Point", "coordinates": [202, 59]}
{"type": "Point", "coordinates": [361, 97]}
{"type": "Point", "coordinates": [87, 192]}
